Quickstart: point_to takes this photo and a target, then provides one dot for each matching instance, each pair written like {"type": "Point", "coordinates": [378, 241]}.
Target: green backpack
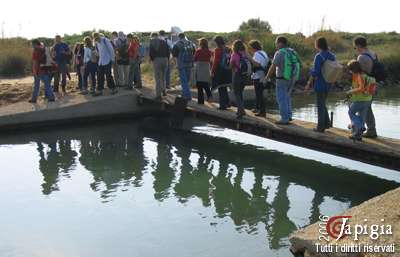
{"type": "Point", "coordinates": [292, 64]}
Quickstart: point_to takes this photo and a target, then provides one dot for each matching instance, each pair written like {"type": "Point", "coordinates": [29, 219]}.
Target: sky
{"type": "Point", "coordinates": [47, 18]}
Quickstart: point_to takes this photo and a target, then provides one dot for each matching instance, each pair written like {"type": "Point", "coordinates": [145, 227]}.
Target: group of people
{"type": "Point", "coordinates": [117, 60]}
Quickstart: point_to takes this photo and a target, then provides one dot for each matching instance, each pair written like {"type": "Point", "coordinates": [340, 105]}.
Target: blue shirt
{"type": "Point", "coordinates": [60, 49]}
{"type": "Point", "coordinates": [106, 51]}
{"type": "Point", "coordinates": [320, 85]}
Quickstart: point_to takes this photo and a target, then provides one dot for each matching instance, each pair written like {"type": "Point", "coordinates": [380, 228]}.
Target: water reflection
{"type": "Point", "coordinates": [253, 188]}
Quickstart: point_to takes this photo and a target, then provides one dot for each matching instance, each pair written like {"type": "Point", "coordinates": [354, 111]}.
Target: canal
{"type": "Point", "coordinates": [134, 188]}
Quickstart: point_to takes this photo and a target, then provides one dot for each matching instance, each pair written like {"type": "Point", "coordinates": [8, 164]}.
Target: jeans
{"type": "Point", "coordinates": [238, 87]}
{"type": "Point", "coordinates": [223, 97]}
{"type": "Point", "coordinates": [283, 88]}
{"type": "Point", "coordinates": [105, 70]}
{"type": "Point", "coordinates": [259, 90]}
{"type": "Point", "coordinates": [47, 87]}
{"type": "Point", "coordinates": [123, 75]}
{"type": "Point", "coordinates": [357, 111]}
{"type": "Point", "coordinates": [201, 87]}
{"type": "Point", "coordinates": [135, 75]}
{"type": "Point", "coordinates": [160, 67]}
{"type": "Point", "coordinates": [90, 69]}
{"type": "Point", "coordinates": [168, 76]}
{"type": "Point", "coordinates": [184, 76]}
{"type": "Point", "coordinates": [61, 71]}
{"type": "Point", "coordinates": [323, 116]}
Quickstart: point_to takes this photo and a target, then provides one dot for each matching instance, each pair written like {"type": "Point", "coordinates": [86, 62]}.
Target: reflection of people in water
{"type": "Point", "coordinates": [113, 162]}
{"type": "Point", "coordinates": [163, 174]}
{"type": "Point", "coordinates": [53, 162]}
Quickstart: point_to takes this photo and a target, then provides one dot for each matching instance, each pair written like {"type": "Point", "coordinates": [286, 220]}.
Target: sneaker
{"type": "Point", "coordinates": [318, 130]}
{"type": "Point", "coordinates": [281, 122]}
{"type": "Point", "coordinates": [255, 110]}
{"type": "Point", "coordinates": [370, 134]}
{"type": "Point", "coordinates": [84, 92]}
{"type": "Point", "coordinates": [114, 91]}
{"type": "Point", "coordinates": [32, 101]}
{"type": "Point", "coordinates": [240, 115]}
{"type": "Point", "coordinates": [261, 114]}
{"type": "Point", "coordinates": [98, 93]}
{"type": "Point", "coordinates": [356, 137]}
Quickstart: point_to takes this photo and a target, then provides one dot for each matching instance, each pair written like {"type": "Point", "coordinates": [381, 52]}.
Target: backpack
{"type": "Point", "coordinates": [225, 59]}
{"type": "Point", "coordinates": [245, 66]}
{"type": "Point", "coordinates": [94, 58]}
{"type": "Point", "coordinates": [370, 85]}
{"type": "Point", "coordinates": [45, 59]}
{"type": "Point", "coordinates": [123, 49]}
{"type": "Point", "coordinates": [332, 71]}
{"type": "Point", "coordinates": [292, 64]}
{"type": "Point", "coordinates": [187, 52]}
{"type": "Point", "coordinates": [378, 69]}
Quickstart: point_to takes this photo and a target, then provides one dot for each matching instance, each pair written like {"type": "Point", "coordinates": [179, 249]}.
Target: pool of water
{"type": "Point", "coordinates": [386, 108]}
{"type": "Point", "coordinates": [137, 189]}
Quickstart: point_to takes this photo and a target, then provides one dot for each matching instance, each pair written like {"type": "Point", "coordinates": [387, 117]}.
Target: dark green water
{"type": "Point", "coordinates": [135, 189]}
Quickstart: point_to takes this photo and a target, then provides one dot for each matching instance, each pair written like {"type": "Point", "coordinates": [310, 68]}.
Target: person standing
{"type": "Point", "coordinates": [321, 87]}
{"type": "Point", "coordinates": [221, 73]}
{"type": "Point", "coordinates": [90, 60]}
{"type": "Point", "coordinates": [62, 54]}
{"type": "Point", "coordinates": [114, 39]}
{"type": "Point", "coordinates": [202, 59]}
{"type": "Point", "coordinates": [259, 63]}
{"type": "Point", "coordinates": [78, 63]}
{"type": "Point", "coordinates": [159, 55]}
{"type": "Point", "coordinates": [360, 99]}
{"type": "Point", "coordinates": [367, 58]}
{"type": "Point", "coordinates": [41, 68]}
{"type": "Point", "coordinates": [238, 80]}
{"type": "Point", "coordinates": [163, 36]}
{"type": "Point", "coordinates": [122, 46]}
{"type": "Point", "coordinates": [106, 59]}
{"type": "Point", "coordinates": [183, 51]}
{"type": "Point", "coordinates": [286, 66]}
{"type": "Point", "coordinates": [134, 61]}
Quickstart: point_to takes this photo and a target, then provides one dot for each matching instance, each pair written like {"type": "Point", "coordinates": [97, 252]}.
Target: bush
{"type": "Point", "coordinates": [15, 57]}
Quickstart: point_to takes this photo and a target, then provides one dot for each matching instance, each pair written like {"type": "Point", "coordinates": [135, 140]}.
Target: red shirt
{"type": "Point", "coordinates": [217, 59]}
{"type": "Point", "coordinates": [133, 50]}
{"type": "Point", "coordinates": [202, 55]}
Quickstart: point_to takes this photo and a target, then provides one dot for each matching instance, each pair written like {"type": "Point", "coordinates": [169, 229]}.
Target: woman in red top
{"type": "Point", "coordinates": [202, 59]}
{"type": "Point", "coordinates": [221, 73]}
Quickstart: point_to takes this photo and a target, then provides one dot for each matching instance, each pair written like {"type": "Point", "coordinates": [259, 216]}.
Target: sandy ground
{"type": "Point", "coordinates": [14, 90]}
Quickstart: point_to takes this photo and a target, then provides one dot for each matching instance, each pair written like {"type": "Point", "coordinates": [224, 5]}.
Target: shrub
{"type": "Point", "coordinates": [15, 54]}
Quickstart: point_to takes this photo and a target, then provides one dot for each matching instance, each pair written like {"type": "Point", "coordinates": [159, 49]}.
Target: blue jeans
{"type": "Point", "coordinates": [47, 87]}
{"type": "Point", "coordinates": [184, 76]}
{"type": "Point", "coordinates": [90, 69]}
{"type": "Point", "coordinates": [135, 75]}
{"type": "Point", "coordinates": [357, 114]}
{"type": "Point", "coordinates": [283, 98]}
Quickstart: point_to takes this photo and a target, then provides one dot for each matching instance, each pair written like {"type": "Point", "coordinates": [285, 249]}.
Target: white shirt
{"type": "Point", "coordinates": [261, 58]}
{"type": "Point", "coordinates": [87, 57]}
{"type": "Point", "coordinates": [106, 51]}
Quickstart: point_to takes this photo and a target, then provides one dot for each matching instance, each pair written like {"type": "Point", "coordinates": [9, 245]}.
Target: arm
{"type": "Point", "coordinates": [271, 71]}
{"type": "Point", "coordinates": [360, 85]}
{"type": "Point", "coordinates": [314, 72]}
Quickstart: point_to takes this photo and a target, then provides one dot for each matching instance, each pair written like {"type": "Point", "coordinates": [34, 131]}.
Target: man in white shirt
{"type": "Point", "coordinates": [260, 63]}
{"type": "Point", "coordinates": [106, 59]}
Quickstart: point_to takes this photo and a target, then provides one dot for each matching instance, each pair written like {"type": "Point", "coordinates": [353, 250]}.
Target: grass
{"type": "Point", "coordinates": [15, 57]}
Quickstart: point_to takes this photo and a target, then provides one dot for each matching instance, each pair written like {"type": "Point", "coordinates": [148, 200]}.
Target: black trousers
{"type": "Point", "coordinates": [323, 115]}
{"type": "Point", "coordinates": [105, 71]}
{"type": "Point", "coordinates": [259, 90]}
{"type": "Point", "coordinates": [201, 87]}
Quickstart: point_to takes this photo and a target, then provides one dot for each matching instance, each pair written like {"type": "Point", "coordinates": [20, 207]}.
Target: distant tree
{"type": "Point", "coordinates": [255, 25]}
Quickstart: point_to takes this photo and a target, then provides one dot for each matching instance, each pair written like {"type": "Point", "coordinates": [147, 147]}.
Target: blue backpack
{"type": "Point", "coordinates": [187, 52]}
{"type": "Point", "coordinates": [245, 66]}
{"type": "Point", "coordinates": [225, 59]}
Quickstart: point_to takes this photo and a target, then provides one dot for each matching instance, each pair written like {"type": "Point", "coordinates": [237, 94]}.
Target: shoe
{"type": "Point", "coordinates": [222, 108]}
{"type": "Point", "coordinates": [114, 91]}
{"type": "Point", "coordinates": [51, 100]}
{"type": "Point", "coordinates": [261, 114]}
{"type": "Point", "coordinates": [356, 137]}
{"type": "Point", "coordinates": [164, 93]}
{"type": "Point", "coordinates": [290, 119]}
{"type": "Point", "coordinates": [99, 93]}
{"type": "Point", "coordinates": [85, 92]}
{"type": "Point", "coordinates": [240, 115]}
{"type": "Point", "coordinates": [318, 130]}
{"type": "Point", "coordinates": [32, 101]}
{"type": "Point", "coordinates": [370, 134]}
{"type": "Point", "coordinates": [280, 122]}
{"type": "Point", "coordinates": [255, 110]}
